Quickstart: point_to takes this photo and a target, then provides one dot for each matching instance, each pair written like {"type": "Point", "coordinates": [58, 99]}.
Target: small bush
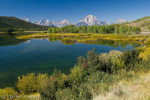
{"type": "Point", "coordinates": [48, 89]}
{"type": "Point", "coordinates": [93, 58]}
{"type": "Point", "coordinates": [149, 27]}
{"type": "Point", "coordinates": [111, 62]}
{"type": "Point", "coordinates": [76, 76]}
{"type": "Point", "coordinates": [84, 93]}
{"type": "Point", "coordinates": [4, 93]}
{"type": "Point", "coordinates": [148, 41]}
{"type": "Point", "coordinates": [145, 55]}
{"type": "Point", "coordinates": [130, 58]}
{"type": "Point", "coordinates": [49, 86]}
{"type": "Point", "coordinates": [65, 94]}
{"type": "Point", "coordinates": [29, 83]}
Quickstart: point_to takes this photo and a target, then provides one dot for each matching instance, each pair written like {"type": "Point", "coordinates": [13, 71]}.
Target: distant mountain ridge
{"type": "Point", "coordinates": [62, 23]}
{"type": "Point", "coordinates": [89, 20]}
{"type": "Point", "coordinates": [55, 24]}
{"type": "Point", "coordinates": [81, 24]}
{"type": "Point", "coordinates": [44, 23]}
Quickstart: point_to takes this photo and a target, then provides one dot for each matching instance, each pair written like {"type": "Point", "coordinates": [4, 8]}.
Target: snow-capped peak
{"type": "Point", "coordinates": [62, 23]}
{"type": "Point", "coordinates": [89, 20]}
{"type": "Point", "coordinates": [92, 20]}
{"type": "Point", "coordinates": [26, 19]}
{"type": "Point", "coordinates": [44, 23]}
{"type": "Point", "coordinates": [65, 21]}
{"type": "Point", "coordinates": [57, 24]}
{"type": "Point", "coordinates": [121, 21]}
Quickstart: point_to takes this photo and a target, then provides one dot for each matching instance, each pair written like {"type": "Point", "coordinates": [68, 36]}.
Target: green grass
{"type": "Point", "coordinates": [141, 19]}
{"type": "Point", "coordinates": [90, 38]}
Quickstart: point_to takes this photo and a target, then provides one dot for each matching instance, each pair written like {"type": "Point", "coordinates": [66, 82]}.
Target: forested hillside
{"type": "Point", "coordinates": [143, 23]}
{"type": "Point", "coordinates": [12, 23]}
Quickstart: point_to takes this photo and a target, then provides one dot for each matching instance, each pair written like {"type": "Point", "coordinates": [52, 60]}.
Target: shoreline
{"type": "Point", "coordinates": [91, 37]}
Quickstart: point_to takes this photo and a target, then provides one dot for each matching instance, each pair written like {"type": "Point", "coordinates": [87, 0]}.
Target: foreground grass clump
{"type": "Point", "coordinates": [137, 89]}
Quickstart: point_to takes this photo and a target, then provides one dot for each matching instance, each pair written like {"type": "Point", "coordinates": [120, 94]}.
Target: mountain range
{"type": "Point", "coordinates": [25, 24]}
{"type": "Point", "coordinates": [89, 20]}
{"type": "Point", "coordinates": [44, 23]}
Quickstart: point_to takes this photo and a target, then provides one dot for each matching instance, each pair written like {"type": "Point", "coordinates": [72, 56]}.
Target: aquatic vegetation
{"type": "Point", "coordinates": [68, 41]}
{"type": "Point", "coordinates": [87, 40]}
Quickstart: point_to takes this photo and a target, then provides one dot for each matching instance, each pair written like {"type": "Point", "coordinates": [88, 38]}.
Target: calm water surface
{"type": "Point", "coordinates": [18, 57]}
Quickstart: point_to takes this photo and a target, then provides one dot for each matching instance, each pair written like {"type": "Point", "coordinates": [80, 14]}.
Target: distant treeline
{"type": "Point", "coordinates": [105, 29]}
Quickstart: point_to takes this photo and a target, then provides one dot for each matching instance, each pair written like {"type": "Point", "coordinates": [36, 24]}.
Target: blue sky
{"type": "Point", "coordinates": [75, 10]}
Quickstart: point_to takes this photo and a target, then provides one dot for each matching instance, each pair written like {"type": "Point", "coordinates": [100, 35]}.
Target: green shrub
{"type": "Point", "coordinates": [101, 81]}
{"type": "Point", "coordinates": [148, 41]}
{"type": "Point", "coordinates": [84, 93]}
{"type": "Point", "coordinates": [29, 83]}
{"type": "Point", "coordinates": [58, 78]}
{"type": "Point", "coordinates": [65, 94]}
{"type": "Point", "coordinates": [93, 58]}
{"type": "Point", "coordinates": [149, 27]}
{"type": "Point", "coordinates": [48, 89]}
{"type": "Point", "coordinates": [90, 76]}
{"type": "Point", "coordinates": [145, 55]}
{"type": "Point", "coordinates": [111, 62]}
{"type": "Point", "coordinates": [50, 86]}
{"type": "Point", "coordinates": [76, 76]}
{"type": "Point", "coordinates": [6, 92]}
{"type": "Point", "coordinates": [83, 62]}
{"type": "Point", "coordinates": [130, 58]}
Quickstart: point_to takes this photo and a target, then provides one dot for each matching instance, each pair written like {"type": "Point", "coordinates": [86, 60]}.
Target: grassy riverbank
{"type": "Point", "coordinates": [82, 38]}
